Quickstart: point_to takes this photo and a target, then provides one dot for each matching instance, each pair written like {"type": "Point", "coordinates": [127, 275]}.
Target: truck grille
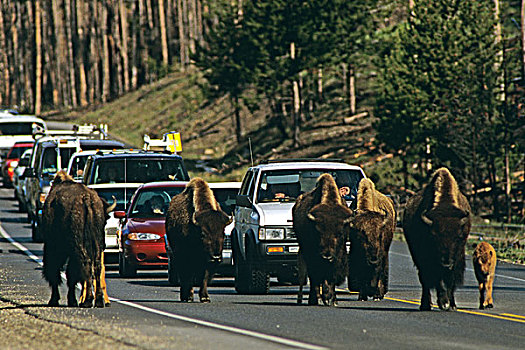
{"type": "Point", "coordinates": [227, 244]}
{"type": "Point", "coordinates": [290, 233]}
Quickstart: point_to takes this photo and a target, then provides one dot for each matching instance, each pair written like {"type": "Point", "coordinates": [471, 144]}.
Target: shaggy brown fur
{"type": "Point", "coordinates": [195, 230]}
{"type": "Point", "coordinates": [436, 225]}
{"type": "Point", "coordinates": [484, 261]}
{"type": "Point", "coordinates": [320, 220]}
{"type": "Point", "coordinates": [371, 235]}
{"type": "Point", "coordinates": [73, 223]}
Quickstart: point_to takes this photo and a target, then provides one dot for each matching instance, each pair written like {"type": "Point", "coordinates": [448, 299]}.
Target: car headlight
{"type": "Point", "coordinates": [13, 164]}
{"type": "Point", "coordinates": [141, 236]}
{"type": "Point", "coordinates": [271, 233]}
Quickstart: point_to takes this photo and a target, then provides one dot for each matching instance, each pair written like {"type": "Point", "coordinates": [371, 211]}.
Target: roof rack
{"type": "Point", "coordinates": [170, 142]}
{"type": "Point", "coordinates": [87, 130]}
{"type": "Point", "coordinates": [290, 160]}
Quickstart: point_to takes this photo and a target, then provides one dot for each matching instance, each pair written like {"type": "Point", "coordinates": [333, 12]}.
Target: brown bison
{"type": "Point", "coordinates": [484, 261]}
{"type": "Point", "coordinates": [436, 224]}
{"type": "Point", "coordinates": [195, 230]}
{"type": "Point", "coordinates": [371, 234]}
{"type": "Point", "coordinates": [320, 220]}
{"type": "Point", "coordinates": [73, 221]}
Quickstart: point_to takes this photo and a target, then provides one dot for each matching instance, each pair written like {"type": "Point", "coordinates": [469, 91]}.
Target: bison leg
{"type": "Point", "coordinates": [55, 296]}
{"type": "Point", "coordinates": [489, 301]}
{"type": "Point", "coordinates": [73, 277]}
{"type": "Point", "coordinates": [329, 296]}
{"type": "Point", "coordinates": [301, 274]}
{"type": "Point", "coordinates": [452, 300]}
{"type": "Point", "coordinates": [443, 296]}
{"type": "Point", "coordinates": [103, 281]}
{"type": "Point", "coordinates": [482, 295]}
{"type": "Point", "coordinates": [203, 289]}
{"type": "Point", "coordinates": [186, 289]}
{"type": "Point", "coordinates": [425, 299]}
{"type": "Point", "coordinates": [97, 280]}
{"type": "Point", "coordinates": [314, 294]}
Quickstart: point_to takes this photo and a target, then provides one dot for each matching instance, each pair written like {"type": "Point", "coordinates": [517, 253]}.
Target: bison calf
{"type": "Point", "coordinates": [436, 225]}
{"type": "Point", "coordinates": [195, 230]}
{"type": "Point", "coordinates": [371, 234]}
{"type": "Point", "coordinates": [484, 261]}
{"type": "Point", "coordinates": [320, 220]}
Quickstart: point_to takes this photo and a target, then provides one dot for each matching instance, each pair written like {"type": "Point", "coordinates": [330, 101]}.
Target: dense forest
{"type": "Point", "coordinates": [442, 80]}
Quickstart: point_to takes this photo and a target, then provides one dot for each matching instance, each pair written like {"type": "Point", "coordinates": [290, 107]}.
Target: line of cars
{"type": "Point", "coordinates": [260, 242]}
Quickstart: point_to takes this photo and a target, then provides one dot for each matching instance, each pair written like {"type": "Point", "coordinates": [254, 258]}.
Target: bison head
{"type": "Point", "coordinates": [212, 224]}
{"type": "Point", "coordinates": [449, 227]}
{"type": "Point", "coordinates": [368, 231]}
{"type": "Point", "coordinates": [332, 223]}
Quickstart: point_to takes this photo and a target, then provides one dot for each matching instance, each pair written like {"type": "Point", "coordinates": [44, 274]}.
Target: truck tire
{"type": "Point", "coordinates": [173, 276]}
{"type": "Point", "coordinates": [36, 232]}
{"type": "Point", "coordinates": [124, 267]}
{"type": "Point", "coordinates": [248, 278]}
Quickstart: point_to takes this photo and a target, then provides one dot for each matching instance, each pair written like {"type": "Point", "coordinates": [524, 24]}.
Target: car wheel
{"type": "Point", "coordinates": [125, 269]}
{"type": "Point", "coordinates": [36, 232]}
{"type": "Point", "coordinates": [173, 276]}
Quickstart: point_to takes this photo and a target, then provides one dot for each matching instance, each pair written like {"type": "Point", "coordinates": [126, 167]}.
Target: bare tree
{"type": "Point", "coordinates": [38, 58]}
{"type": "Point", "coordinates": [124, 51]}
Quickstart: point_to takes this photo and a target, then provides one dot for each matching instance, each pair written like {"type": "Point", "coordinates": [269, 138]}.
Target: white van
{"type": "Point", "coordinates": [15, 128]}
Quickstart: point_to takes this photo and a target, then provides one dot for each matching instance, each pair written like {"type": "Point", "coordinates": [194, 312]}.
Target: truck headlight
{"type": "Point", "coordinates": [271, 233]}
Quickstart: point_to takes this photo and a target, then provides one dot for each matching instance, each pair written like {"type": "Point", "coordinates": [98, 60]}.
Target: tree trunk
{"type": "Point", "coordinates": [134, 47]}
{"type": "Point", "coordinates": [296, 102]}
{"type": "Point", "coordinates": [351, 90]}
{"type": "Point", "coordinates": [115, 37]}
{"type": "Point", "coordinates": [5, 60]}
{"type": "Point", "coordinates": [237, 116]}
{"type": "Point", "coordinates": [523, 44]}
{"type": "Point", "coordinates": [94, 86]}
{"type": "Point", "coordinates": [28, 56]}
{"type": "Point", "coordinates": [38, 58]}
{"type": "Point", "coordinates": [106, 77]}
{"type": "Point", "coordinates": [82, 10]}
{"type": "Point", "coordinates": [60, 53]}
{"type": "Point", "coordinates": [71, 61]}
{"type": "Point", "coordinates": [15, 62]}
{"type": "Point", "coordinates": [124, 52]}
{"type": "Point", "coordinates": [182, 38]}
{"type": "Point", "coordinates": [143, 64]}
{"type": "Point", "coordinates": [163, 35]}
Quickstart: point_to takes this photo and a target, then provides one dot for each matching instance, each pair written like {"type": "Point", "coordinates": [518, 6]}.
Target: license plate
{"type": "Point", "coordinates": [293, 249]}
{"type": "Point", "coordinates": [226, 254]}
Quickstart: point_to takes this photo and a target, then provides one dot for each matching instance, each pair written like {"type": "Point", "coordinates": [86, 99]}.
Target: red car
{"type": "Point", "coordinates": [11, 160]}
{"type": "Point", "coordinates": [141, 232]}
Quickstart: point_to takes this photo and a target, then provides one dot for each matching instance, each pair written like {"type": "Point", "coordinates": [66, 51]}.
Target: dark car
{"type": "Point", "coordinates": [11, 160]}
{"type": "Point", "coordinates": [133, 166]}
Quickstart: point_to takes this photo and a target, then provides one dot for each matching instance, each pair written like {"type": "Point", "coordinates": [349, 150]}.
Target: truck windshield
{"type": "Point", "coordinates": [287, 185]}
{"type": "Point", "coordinates": [138, 170]}
{"type": "Point", "coordinates": [17, 128]}
{"type": "Point", "coordinates": [50, 159]}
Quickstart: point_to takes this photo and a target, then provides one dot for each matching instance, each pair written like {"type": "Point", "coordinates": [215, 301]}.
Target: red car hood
{"type": "Point", "coordinates": [147, 226]}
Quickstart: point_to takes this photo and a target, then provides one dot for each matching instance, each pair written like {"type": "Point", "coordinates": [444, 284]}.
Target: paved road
{"type": "Point", "coordinates": [145, 311]}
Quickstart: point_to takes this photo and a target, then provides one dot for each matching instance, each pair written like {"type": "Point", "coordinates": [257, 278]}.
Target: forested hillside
{"type": "Point", "coordinates": [400, 87]}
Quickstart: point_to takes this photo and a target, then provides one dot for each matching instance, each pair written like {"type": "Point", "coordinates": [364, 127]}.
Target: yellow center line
{"type": "Point", "coordinates": [513, 315]}
{"type": "Point", "coordinates": [503, 316]}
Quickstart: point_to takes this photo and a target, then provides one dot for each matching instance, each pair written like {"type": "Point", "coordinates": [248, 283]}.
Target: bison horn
{"type": "Point", "coordinates": [112, 206]}
{"type": "Point", "coordinates": [425, 219]}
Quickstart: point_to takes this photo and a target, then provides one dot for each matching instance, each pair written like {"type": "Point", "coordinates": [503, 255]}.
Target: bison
{"type": "Point", "coordinates": [371, 234]}
{"type": "Point", "coordinates": [320, 221]}
{"type": "Point", "coordinates": [484, 261]}
{"type": "Point", "coordinates": [73, 221]}
{"type": "Point", "coordinates": [436, 225]}
{"type": "Point", "coordinates": [195, 231]}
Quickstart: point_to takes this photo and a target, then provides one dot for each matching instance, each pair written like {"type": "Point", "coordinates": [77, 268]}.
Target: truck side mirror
{"type": "Point", "coordinates": [243, 201]}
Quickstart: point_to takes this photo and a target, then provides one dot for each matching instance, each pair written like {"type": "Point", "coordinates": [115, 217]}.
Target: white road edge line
{"type": "Point", "coordinates": [497, 275]}
{"type": "Point", "coordinates": [240, 331]}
